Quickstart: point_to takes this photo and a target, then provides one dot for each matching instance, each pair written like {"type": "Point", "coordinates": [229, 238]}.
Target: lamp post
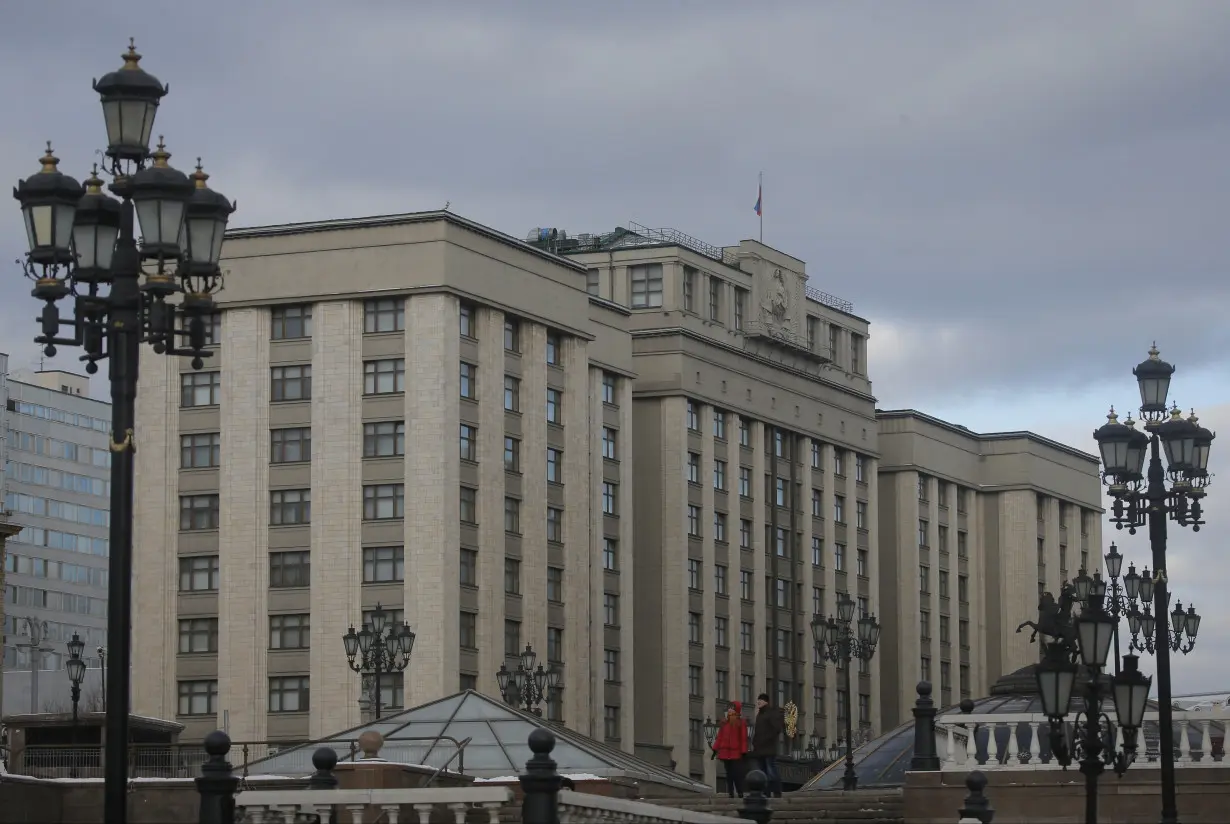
{"type": "Point", "coordinates": [102, 662]}
{"type": "Point", "coordinates": [1141, 500]}
{"type": "Point", "coordinates": [837, 640]}
{"type": "Point", "coordinates": [711, 731]}
{"type": "Point", "coordinates": [815, 751]}
{"type": "Point", "coordinates": [1092, 728]}
{"type": "Point", "coordinates": [378, 649]}
{"type": "Point", "coordinates": [76, 674]}
{"type": "Point", "coordinates": [1179, 634]}
{"type": "Point", "coordinates": [528, 687]}
{"type": "Point", "coordinates": [83, 246]}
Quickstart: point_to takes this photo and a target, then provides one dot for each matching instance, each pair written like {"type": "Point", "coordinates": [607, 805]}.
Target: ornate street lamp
{"type": "Point", "coordinates": [527, 687]}
{"type": "Point", "coordinates": [711, 731]}
{"type": "Point", "coordinates": [75, 665]}
{"type": "Point", "coordinates": [82, 245]}
{"type": "Point", "coordinates": [379, 649]}
{"type": "Point", "coordinates": [1139, 501]}
{"type": "Point", "coordinates": [842, 640]}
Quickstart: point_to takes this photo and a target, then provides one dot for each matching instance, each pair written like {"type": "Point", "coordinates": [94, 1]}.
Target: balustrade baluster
{"type": "Point", "coordinates": [1014, 746]}
{"type": "Point", "coordinates": [424, 811]}
{"type": "Point", "coordinates": [971, 744]}
{"type": "Point", "coordinates": [950, 750]}
{"type": "Point", "coordinates": [1206, 742]}
{"type": "Point", "coordinates": [1184, 752]}
{"type": "Point", "coordinates": [1035, 741]}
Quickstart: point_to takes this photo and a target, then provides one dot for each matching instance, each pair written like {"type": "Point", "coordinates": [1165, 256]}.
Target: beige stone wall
{"type": "Point", "coordinates": [582, 702]}
{"type": "Point", "coordinates": [491, 491]}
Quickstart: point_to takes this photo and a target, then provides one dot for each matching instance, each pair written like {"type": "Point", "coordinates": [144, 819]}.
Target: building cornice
{"type": "Point", "coordinates": [985, 437]}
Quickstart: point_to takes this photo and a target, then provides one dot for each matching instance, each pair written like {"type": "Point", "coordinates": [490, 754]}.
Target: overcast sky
{"type": "Point", "coordinates": [1018, 196]}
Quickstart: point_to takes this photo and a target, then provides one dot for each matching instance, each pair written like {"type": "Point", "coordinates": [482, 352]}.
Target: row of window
{"type": "Point", "coordinates": [55, 601]}
{"type": "Point", "coordinates": [924, 583]}
{"type": "Point", "coordinates": [57, 479]}
{"type": "Point", "coordinates": [293, 568]}
{"type": "Point", "coordinates": [51, 413]}
{"type": "Point", "coordinates": [774, 439]}
{"type": "Point", "coordinates": [924, 629]}
{"type": "Point", "coordinates": [945, 675]}
{"type": "Point", "coordinates": [56, 570]}
{"type": "Point", "coordinates": [924, 538]}
{"type": "Point", "coordinates": [56, 448]}
{"type": "Point", "coordinates": [777, 541]}
{"type": "Point", "coordinates": [51, 508]}
{"type": "Point", "coordinates": [942, 492]}
{"type": "Point", "coordinates": [55, 539]}
{"type": "Point", "coordinates": [55, 632]}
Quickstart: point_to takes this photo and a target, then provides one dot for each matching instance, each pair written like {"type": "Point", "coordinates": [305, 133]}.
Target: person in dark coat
{"type": "Point", "coordinates": [770, 724]}
{"type": "Point", "coordinates": [730, 746]}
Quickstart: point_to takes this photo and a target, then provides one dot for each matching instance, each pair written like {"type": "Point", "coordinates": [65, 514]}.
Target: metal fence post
{"type": "Point", "coordinates": [541, 784]}
{"type": "Point", "coordinates": [217, 783]}
{"type": "Point", "coordinates": [755, 802]}
{"type": "Point", "coordinates": [977, 809]}
{"type": "Point", "coordinates": [926, 756]}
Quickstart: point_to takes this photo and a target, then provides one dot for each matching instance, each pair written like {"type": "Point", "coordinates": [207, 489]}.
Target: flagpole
{"type": "Point", "coordinates": [761, 190]}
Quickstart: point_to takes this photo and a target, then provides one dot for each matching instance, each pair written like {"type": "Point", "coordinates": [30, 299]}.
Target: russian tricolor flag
{"type": "Point", "coordinates": [759, 197]}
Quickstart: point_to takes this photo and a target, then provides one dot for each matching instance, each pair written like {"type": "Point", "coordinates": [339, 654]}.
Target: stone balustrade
{"type": "Point", "coordinates": [575, 808]}
{"type": "Point", "coordinates": [288, 806]}
{"type": "Point", "coordinates": [1017, 741]}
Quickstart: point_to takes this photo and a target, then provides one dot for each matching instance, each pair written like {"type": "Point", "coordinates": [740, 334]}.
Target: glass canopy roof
{"type": "Point", "coordinates": [492, 736]}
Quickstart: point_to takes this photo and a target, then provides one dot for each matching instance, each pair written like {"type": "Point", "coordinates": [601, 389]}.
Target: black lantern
{"type": "Point", "coordinates": [377, 618]}
{"type": "Point", "coordinates": [1114, 562]}
{"type": "Point", "coordinates": [1122, 448]}
{"type": "Point", "coordinates": [818, 627]}
{"type": "Point", "coordinates": [1177, 616]}
{"type": "Point", "coordinates": [49, 200]}
{"type": "Point", "coordinates": [1203, 444]}
{"type": "Point", "coordinates": [160, 194]}
{"type": "Point", "coordinates": [1179, 439]}
{"type": "Point", "coordinates": [1191, 623]}
{"type": "Point", "coordinates": [1098, 591]}
{"type": "Point", "coordinates": [1056, 676]}
{"type": "Point", "coordinates": [95, 230]}
{"type": "Point", "coordinates": [845, 609]}
{"type": "Point", "coordinates": [1131, 582]}
{"type": "Point", "coordinates": [365, 639]}
{"type": "Point", "coordinates": [1095, 630]}
{"type": "Point", "coordinates": [528, 657]}
{"type": "Point", "coordinates": [711, 730]}
{"type": "Point", "coordinates": [1131, 690]}
{"type": "Point", "coordinates": [204, 226]}
{"type": "Point", "coordinates": [872, 636]}
{"type": "Point", "coordinates": [501, 678]}
{"type": "Point", "coordinates": [1153, 380]}
{"type": "Point", "coordinates": [1146, 586]}
{"type": "Point", "coordinates": [1083, 585]}
{"type": "Point", "coordinates": [75, 663]}
{"type": "Point", "coordinates": [405, 639]}
{"type": "Point", "coordinates": [130, 98]}
{"type": "Point", "coordinates": [351, 642]}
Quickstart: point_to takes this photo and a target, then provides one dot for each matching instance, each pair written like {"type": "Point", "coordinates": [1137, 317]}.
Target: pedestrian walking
{"type": "Point", "coordinates": [770, 724]}
{"type": "Point", "coordinates": [730, 747]}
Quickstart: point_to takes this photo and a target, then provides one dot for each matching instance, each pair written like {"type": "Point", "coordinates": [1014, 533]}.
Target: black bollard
{"type": "Point", "coordinates": [217, 783]}
{"type": "Point", "coordinates": [755, 802]}
{"type": "Point", "coordinates": [540, 785]}
{"type": "Point", "coordinates": [926, 757]}
{"type": "Point", "coordinates": [324, 760]}
{"type": "Point", "coordinates": [976, 804]}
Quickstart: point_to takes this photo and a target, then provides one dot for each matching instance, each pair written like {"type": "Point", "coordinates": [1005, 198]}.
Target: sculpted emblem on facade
{"type": "Point", "coordinates": [775, 308]}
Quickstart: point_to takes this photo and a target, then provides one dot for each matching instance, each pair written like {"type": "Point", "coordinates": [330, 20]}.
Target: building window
{"type": "Point", "coordinates": [198, 635]}
{"type": "Point", "coordinates": [943, 584]}
{"type": "Point", "coordinates": [592, 280]}
{"type": "Point", "coordinates": [384, 315]}
{"type": "Point", "coordinates": [693, 520]}
{"type": "Point", "coordinates": [924, 580]}
{"type": "Point", "coordinates": [384, 377]}
{"type": "Point", "coordinates": [198, 697]}
{"type": "Point", "coordinates": [694, 633]}
{"type": "Point", "coordinates": [694, 574]}
{"type": "Point", "coordinates": [779, 491]}
{"type": "Point", "coordinates": [512, 454]}
{"type": "Point", "coordinates": [817, 504]}
{"type": "Point", "coordinates": [715, 299]}
{"type": "Point", "coordinates": [290, 631]}
{"type": "Point", "coordinates": [922, 487]}
{"type": "Point", "coordinates": [817, 601]}
{"type": "Point", "coordinates": [693, 417]}
{"type": "Point", "coordinates": [610, 498]}
{"type": "Point", "coordinates": [860, 514]}
{"type": "Point", "coordinates": [466, 320]}
{"type": "Point", "coordinates": [290, 383]}
{"type": "Point", "coordinates": [646, 286]}
{"type": "Point", "coordinates": [512, 578]}
{"type": "Point", "coordinates": [200, 451]}
{"type": "Point", "coordinates": [384, 563]}
{"type": "Point", "coordinates": [290, 506]}
{"type": "Point", "coordinates": [839, 557]}
{"type": "Point", "coordinates": [290, 569]}
{"type": "Point", "coordinates": [719, 424]}
{"type": "Point", "coordinates": [923, 528]}
{"type": "Point", "coordinates": [555, 585]}
{"type": "Point", "coordinates": [609, 443]}
{"type": "Point", "coordinates": [745, 432]}
{"type": "Point", "coordinates": [746, 688]}
{"type": "Point", "coordinates": [817, 551]}
{"type": "Point", "coordinates": [942, 538]}
{"type": "Point", "coordinates": [392, 689]}
{"type": "Point", "coordinates": [860, 469]}
{"type": "Point", "coordinates": [689, 289]}
{"type": "Point", "coordinates": [291, 323]}
{"type": "Point", "coordinates": [469, 442]}
{"type": "Point", "coordinates": [856, 354]}
{"type": "Point", "coordinates": [740, 307]}
{"type": "Point", "coordinates": [468, 630]}
{"type": "Point", "coordinates": [843, 704]}
{"type": "Point", "coordinates": [963, 545]}
{"type": "Point", "coordinates": [925, 668]}
{"type": "Point", "coordinates": [553, 348]}
{"type": "Point", "coordinates": [199, 573]}
{"type": "Point", "coordinates": [839, 462]}
{"type": "Point", "coordinates": [555, 465]}
{"type": "Point", "coordinates": [610, 666]}
{"type": "Point", "coordinates": [695, 679]}
{"type": "Point", "coordinates": [745, 636]}
{"type": "Point", "coordinates": [290, 445]}
{"type": "Point", "coordinates": [945, 629]}
{"type": "Point", "coordinates": [198, 512]}
{"type": "Point", "coordinates": [512, 516]}
{"type": "Point", "coordinates": [864, 708]}
{"type": "Point", "coordinates": [608, 388]}
{"type": "Point", "coordinates": [610, 609]}
{"type": "Point", "coordinates": [963, 633]}
{"type": "Point", "coordinates": [815, 455]}
{"type": "Point", "coordinates": [469, 568]}
{"type": "Point", "coordinates": [839, 509]}
{"type": "Point", "coordinates": [719, 527]}
{"type": "Point", "coordinates": [512, 394]}
{"type": "Point", "coordinates": [864, 606]}
{"type": "Point", "coordinates": [200, 389]}
{"type": "Point", "coordinates": [745, 482]}
{"type": "Point", "coordinates": [383, 439]}
{"type": "Point", "coordinates": [512, 335]}
{"type": "Point", "coordinates": [384, 502]}
{"type": "Point", "coordinates": [469, 380]}
{"type": "Point", "coordinates": [834, 340]}
{"type": "Point", "coordinates": [555, 645]}
{"type": "Point", "coordinates": [288, 693]}
{"type": "Point", "coordinates": [212, 323]}
{"type": "Point", "coordinates": [468, 682]}
{"type": "Point", "coordinates": [555, 406]}
{"type": "Point", "coordinates": [610, 554]}
{"type": "Point", "coordinates": [745, 533]}
{"type": "Point", "coordinates": [719, 579]}
{"type": "Point", "coordinates": [860, 560]}
{"type": "Point", "coordinates": [963, 589]}
{"type": "Point", "coordinates": [813, 325]}
{"type": "Point", "coordinates": [555, 525]}
{"type": "Point", "coordinates": [721, 631]}
{"type": "Point", "coordinates": [924, 625]}
{"type": "Point", "coordinates": [694, 467]}
{"type": "Point", "coordinates": [745, 584]}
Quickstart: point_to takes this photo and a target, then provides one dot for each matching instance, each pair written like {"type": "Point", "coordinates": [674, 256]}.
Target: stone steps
{"type": "Point", "coordinates": [862, 806]}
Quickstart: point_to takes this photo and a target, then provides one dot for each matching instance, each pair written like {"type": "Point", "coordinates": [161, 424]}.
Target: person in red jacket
{"type": "Point", "coordinates": [730, 747]}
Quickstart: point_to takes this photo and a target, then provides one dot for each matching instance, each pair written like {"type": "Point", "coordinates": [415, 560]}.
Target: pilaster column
{"type": "Point", "coordinates": [582, 438]}
{"type": "Point", "coordinates": [707, 574]}
{"type": "Point", "coordinates": [491, 489]}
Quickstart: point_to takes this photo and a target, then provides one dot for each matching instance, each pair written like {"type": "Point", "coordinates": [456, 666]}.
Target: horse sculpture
{"type": "Point", "coordinates": [1055, 617]}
